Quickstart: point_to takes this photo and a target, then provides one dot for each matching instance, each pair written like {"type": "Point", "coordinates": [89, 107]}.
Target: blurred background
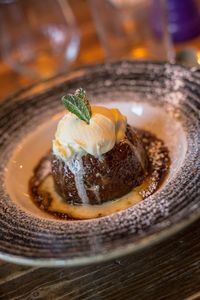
{"type": "Point", "coordinates": [40, 39]}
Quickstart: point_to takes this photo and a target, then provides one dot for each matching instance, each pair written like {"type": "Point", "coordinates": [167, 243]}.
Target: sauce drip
{"type": "Point", "coordinates": [76, 167]}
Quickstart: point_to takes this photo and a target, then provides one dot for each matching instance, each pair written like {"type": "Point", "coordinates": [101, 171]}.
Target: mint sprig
{"type": "Point", "coordinates": [78, 104]}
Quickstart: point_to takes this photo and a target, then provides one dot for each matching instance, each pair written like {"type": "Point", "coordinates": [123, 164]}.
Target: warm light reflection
{"type": "Point", "coordinates": [139, 52]}
{"type": "Point", "coordinates": [198, 57]}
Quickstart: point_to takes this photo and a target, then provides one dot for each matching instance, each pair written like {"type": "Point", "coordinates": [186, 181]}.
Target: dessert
{"type": "Point", "coordinates": [97, 163]}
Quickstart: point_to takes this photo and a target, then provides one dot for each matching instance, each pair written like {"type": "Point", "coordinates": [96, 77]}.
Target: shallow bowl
{"type": "Point", "coordinates": [161, 98]}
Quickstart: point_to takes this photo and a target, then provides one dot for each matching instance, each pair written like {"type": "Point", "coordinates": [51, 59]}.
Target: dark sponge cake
{"type": "Point", "coordinates": [106, 178]}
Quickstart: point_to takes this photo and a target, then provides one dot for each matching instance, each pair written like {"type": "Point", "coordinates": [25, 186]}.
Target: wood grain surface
{"type": "Point", "coordinates": [168, 270]}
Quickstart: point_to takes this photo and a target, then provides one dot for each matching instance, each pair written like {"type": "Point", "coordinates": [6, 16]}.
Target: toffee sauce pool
{"type": "Point", "coordinates": [44, 195]}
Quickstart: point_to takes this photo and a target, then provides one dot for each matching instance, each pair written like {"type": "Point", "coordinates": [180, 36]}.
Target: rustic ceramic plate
{"type": "Point", "coordinates": [162, 98]}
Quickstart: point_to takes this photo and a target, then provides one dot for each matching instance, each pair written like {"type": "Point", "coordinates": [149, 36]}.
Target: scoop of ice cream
{"type": "Point", "coordinates": [106, 128]}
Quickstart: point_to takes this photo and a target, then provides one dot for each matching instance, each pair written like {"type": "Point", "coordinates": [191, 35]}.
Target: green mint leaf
{"type": "Point", "coordinates": [78, 104]}
{"type": "Point", "coordinates": [81, 93]}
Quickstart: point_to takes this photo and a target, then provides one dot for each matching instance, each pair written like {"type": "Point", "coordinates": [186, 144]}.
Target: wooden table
{"type": "Point", "coordinates": [169, 270]}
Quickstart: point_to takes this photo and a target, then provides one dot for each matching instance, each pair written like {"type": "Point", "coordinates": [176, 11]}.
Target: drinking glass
{"type": "Point", "coordinates": [38, 37]}
{"type": "Point", "coordinates": [126, 28]}
{"type": "Point", "coordinates": [149, 29]}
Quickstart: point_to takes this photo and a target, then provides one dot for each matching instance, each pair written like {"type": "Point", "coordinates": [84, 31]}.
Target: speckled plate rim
{"type": "Point", "coordinates": [132, 248]}
{"type": "Point", "coordinates": [113, 254]}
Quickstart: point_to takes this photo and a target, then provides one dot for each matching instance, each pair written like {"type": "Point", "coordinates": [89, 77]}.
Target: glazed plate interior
{"type": "Point", "coordinates": [160, 98]}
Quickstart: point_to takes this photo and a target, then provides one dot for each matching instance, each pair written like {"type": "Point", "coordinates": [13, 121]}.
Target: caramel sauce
{"type": "Point", "coordinates": [45, 196]}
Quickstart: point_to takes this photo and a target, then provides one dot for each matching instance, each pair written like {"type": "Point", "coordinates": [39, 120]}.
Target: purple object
{"type": "Point", "coordinates": [183, 19]}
